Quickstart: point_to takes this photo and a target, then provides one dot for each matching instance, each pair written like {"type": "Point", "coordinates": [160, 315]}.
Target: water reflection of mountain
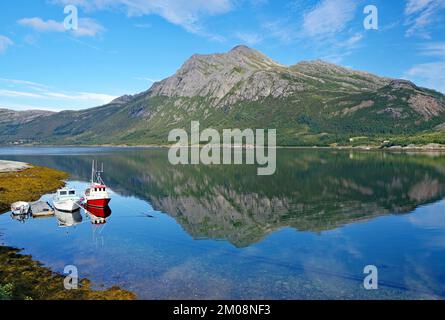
{"type": "Point", "coordinates": [311, 190]}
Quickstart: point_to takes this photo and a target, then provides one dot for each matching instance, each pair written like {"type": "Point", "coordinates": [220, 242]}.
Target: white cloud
{"type": "Point", "coordinates": [337, 50]}
{"type": "Point", "coordinates": [328, 17]}
{"type": "Point", "coordinates": [147, 79]}
{"type": "Point", "coordinates": [87, 27]}
{"type": "Point", "coordinates": [415, 6]}
{"type": "Point", "coordinates": [82, 96]}
{"type": "Point", "coordinates": [280, 31]}
{"type": "Point", "coordinates": [422, 14]}
{"type": "Point", "coordinates": [249, 38]}
{"type": "Point", "coordinates": [5, 42]}
{"type": "Point", "coordinates": [13, 93]}
{"type": "Point", "coordinates": [353, 41]}
{"type": "Point", "coordinates": [186, 14]}
{"type": "Point", "coordinates": [42, 26]}
{"type": "Point", "coordinates": [34, 85]}
{"type": "Point", "coordinates": [434, 49]}
{"type": "Point", "coordinates": [327, 28]}
{"type": "Point", "coordinates": [22, 92]}
{"type": "Point", "coordinates": [431, 75]}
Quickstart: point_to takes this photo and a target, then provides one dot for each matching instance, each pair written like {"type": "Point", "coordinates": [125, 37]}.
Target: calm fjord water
{"type": "Point", "coordinates": [224, 232]}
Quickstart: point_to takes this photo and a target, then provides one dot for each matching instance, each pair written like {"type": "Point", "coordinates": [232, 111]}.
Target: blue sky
{"type": "Point", "coordinates": [122, 46]}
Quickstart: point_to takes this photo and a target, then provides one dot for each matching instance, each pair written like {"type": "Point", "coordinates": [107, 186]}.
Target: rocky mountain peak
{"type": "Point", "coordinates": [240, 56]}
{"type": "Point", "coordinates": [345, 77]}
{"type": "Point", "coordinates": [325, 67]}
{"type": "Point", "coordinates": [214, 75]}
{"type": "Point", "coordinates": [402, 84]}
{"type": "Point", "coordinates": [245, 74]}
{"type": "Point", "coordinates": [242, 48]}
{"type": "Point", "coordinates": [246, 51]}
{"type": "Point", "coordinates": [123, 99]}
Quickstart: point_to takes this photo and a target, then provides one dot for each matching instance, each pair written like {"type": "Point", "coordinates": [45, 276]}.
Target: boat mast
{"type": "Point", "coordinates": [92, 173]}
{"type": "Point", "coordinates": [98, 175]}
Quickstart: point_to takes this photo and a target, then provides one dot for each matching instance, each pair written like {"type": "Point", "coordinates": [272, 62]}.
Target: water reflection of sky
{"type": "Point", "coordinates": [150, 253]}
{"type": "Point", "coordinates": [154, 257]}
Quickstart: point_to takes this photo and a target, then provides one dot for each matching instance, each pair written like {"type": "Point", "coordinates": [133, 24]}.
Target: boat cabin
{"type": "Point", "coordinates": [66, 193]}
{"type": "Point", "coordinates": [95, 189]}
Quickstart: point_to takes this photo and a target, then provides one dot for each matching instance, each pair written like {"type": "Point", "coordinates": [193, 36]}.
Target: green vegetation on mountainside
{"type": "Point", "coordinates": [310, 103]}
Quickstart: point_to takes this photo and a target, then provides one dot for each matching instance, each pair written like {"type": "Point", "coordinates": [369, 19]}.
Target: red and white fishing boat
{"type": "Point", "coordinates": [97, 194]}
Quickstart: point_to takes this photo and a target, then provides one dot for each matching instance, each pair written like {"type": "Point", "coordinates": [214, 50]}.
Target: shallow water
{"type": "Point", "coordinates": [209, 232]}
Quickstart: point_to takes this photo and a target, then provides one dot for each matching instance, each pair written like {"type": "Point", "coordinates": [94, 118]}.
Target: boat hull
{"type": "Point", "coordinates": [98, 203]}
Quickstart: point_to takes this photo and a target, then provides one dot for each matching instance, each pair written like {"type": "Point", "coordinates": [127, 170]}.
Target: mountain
{"type": "Point", "coordinates": [10, 120]}
{"type": "Point", "coordinates": [309, 103]}
{"type": "Point", "coordinates": [21, 117]}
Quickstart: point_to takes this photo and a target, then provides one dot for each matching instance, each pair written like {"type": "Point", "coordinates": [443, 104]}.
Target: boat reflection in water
{"type": "Point", "coordinates": [20, 217]}
{"type": "Point", "coordinates": [68, 219]}
{"type": "Point", "coordinates": [98, 215]}
{"type": "Point", "coordinates": [98, 218]}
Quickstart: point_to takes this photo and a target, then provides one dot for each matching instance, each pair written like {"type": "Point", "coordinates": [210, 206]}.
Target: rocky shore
{"type": "Point", "coordinates": [12, 166]}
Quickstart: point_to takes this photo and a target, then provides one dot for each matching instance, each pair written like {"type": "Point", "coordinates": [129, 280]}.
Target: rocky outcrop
{"type": "Point", "coordinates": [244, 74]}
{"type": "Point", "coordinates": [21, 117]}
{"type": "Point", "coordinates": [427, 106]}
{"type": "Point", "coordinates": [402, 84]}
{"type": "Point", "coordinates": [216, 75]}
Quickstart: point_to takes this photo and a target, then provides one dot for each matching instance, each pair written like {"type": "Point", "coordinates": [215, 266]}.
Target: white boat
{"type": "Point", "coordinates": [66, 200]}
{"type": "Point", "coordinates": [20, 208]}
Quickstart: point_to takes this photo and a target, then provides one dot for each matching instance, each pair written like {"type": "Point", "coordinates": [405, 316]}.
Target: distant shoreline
{"type": "Point", "coordinates": [410, 148]}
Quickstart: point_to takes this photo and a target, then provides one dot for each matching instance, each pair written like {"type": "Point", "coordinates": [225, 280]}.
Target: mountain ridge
{"type": "Point", "coordinates": [309, 103]}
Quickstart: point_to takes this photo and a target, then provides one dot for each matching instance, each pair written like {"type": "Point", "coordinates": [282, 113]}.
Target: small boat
{"type": "Point", "coordinates": [20, 208]}
{"type": "Point", "coordinates": [66, 200]}
{"type": "Point", "coordinates": [97, 194]}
